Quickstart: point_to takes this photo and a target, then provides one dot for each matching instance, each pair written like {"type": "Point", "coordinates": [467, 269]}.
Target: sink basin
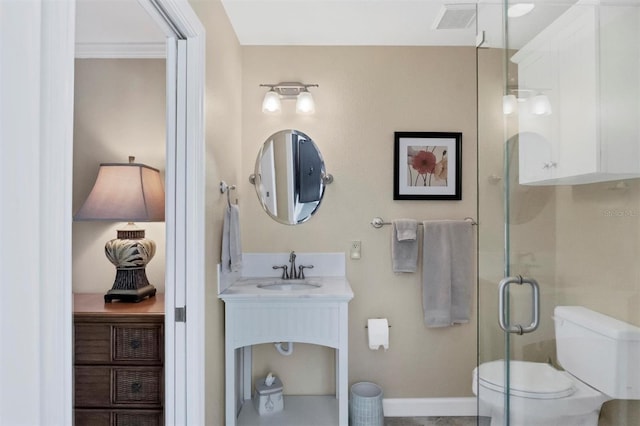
{"type": "Point", "coordinates": [289, 285]}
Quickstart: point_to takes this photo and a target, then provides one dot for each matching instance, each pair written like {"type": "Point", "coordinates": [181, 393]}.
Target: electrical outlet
{"type": "Point", "coordinates": [355, 250]}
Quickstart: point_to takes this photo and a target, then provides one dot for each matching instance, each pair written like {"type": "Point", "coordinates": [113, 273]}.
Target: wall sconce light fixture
{"type": "Point", "coordinates": [128, 192]}
{"type": "Point", "coordinates": [538, 103]}
{"type": "Point", "coordinates": [289, 90]}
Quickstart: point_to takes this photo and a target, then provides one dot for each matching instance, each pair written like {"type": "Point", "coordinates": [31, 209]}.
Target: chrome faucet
{"type": "Point", "coordinates": [290, 272]}
{"type": "Point", "coordinates": [292, 265]}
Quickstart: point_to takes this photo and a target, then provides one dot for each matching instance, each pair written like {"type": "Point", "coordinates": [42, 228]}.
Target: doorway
{"type": "Point", "coordinates": [184, 218]}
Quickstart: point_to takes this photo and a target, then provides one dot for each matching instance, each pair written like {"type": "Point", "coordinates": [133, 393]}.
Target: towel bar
{"type": "Point", "coordinates": [378, 222]}
{"type": "Point", "coordinates": [227, 188]}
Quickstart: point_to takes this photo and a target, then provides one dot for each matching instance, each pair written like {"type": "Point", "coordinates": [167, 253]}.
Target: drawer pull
{"type": "Point", "coordinates": [136, 387]}
{"type": "Point", "coordinates": [135, 344]}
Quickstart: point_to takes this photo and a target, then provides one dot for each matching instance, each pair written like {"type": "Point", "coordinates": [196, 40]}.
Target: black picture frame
{"type": "Point", "coordinates": [427, 166]}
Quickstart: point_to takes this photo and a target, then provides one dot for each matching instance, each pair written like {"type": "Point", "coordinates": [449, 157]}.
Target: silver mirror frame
{"type": "Point", "coordinates": [289, 144]}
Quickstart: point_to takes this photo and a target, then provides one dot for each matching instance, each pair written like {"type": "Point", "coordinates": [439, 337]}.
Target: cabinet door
{"type": "Point", "coordinates": [538, 133]}
{"type": "Point", "coordinates": [620, 90]}
{"type": "Point", "coordinates": [578, 150]}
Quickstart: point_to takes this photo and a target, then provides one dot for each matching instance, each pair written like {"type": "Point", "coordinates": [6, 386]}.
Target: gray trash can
{"type": "Point", "coordinates": [365, 405]}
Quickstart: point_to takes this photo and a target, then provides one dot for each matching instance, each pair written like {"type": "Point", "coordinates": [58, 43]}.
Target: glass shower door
{"type": "Point", "coordinates": [559, 194]}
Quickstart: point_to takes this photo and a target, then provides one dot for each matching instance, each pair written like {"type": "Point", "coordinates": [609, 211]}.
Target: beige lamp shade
{"type": "Point", "coordinates": [125, 193]}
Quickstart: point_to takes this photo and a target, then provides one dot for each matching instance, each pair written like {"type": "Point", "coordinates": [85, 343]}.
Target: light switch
{"type": "Point", "coordinates": [355, 250]}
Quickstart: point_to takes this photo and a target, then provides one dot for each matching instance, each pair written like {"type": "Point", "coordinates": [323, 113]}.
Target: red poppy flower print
{"type": "Point", "coordinates": [424, 162]}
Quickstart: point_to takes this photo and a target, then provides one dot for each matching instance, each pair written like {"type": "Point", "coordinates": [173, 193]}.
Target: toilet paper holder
{"type": "Point", "coordinates": [367, 326]}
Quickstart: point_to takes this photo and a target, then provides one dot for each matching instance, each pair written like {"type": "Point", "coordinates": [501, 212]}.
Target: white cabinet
{"type": "Point", "coordinates": [587, 64]}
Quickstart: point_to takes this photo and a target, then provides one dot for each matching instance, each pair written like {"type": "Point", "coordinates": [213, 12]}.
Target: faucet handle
{"type": "Point", "coordinates": [285, 274]}
{"type": "Point", "coordinates": [301, 269]}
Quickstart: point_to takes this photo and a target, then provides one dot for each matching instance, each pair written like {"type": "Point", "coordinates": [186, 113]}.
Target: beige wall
{"type": "Point", "coordinates": [365, 95]}
{"type": "Point", "coordinates": [598, 247]}
{"type": "Point", "coordinates": [119, 111]}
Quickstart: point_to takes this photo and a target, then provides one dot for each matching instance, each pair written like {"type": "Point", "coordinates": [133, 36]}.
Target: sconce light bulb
{"type": "Point", "coordinates": [271, 103]}
{"type": "Point", "coordinates": [509, 104]}
{"type": "Point", "coordinates": [540, 105]}
{"type": "Point", "coordinates": [305, 103]}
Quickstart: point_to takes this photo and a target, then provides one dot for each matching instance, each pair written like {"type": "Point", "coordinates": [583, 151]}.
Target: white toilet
{"type": "Point", "coordinates": [601, 358]}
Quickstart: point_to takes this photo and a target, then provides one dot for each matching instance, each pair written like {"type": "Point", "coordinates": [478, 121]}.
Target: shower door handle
{"type": "Point", "coordinates": [502, 305]}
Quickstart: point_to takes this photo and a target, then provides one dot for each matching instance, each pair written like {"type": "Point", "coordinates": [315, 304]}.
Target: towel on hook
{"type": "Point", "coordinates": [447, 272]}
{"type": "Point", "coordinates": [231, 245]}
{"type": "Point", "coordinates": [404, 245]}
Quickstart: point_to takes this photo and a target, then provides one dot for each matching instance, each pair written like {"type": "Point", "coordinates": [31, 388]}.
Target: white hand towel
{"type": "Point", "coordinates": [404, 245]}
{"type": "Point", "coordinates": [447, 272]}
{"type": "Point", "coordinates": [231, 244]}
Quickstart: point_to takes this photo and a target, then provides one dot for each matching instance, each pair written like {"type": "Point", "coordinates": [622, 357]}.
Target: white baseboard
{"type": "Point", "coordinates": [430, 407]}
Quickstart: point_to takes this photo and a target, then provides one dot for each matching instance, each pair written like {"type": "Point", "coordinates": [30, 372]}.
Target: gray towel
{"type": "Point", "coordinates": [404, 245]}
{"type": "Point", "coordinates": [231, 245]}
{"type": "Point", "coordinates": [447, 272]}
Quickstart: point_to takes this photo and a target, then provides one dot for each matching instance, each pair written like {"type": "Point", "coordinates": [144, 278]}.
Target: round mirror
{"type": "Point", "coordinates": [290, 177]}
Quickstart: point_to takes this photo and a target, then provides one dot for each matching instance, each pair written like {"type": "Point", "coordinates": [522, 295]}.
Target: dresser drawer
{"type": "Point", "coordinates": [97, 417]}
{"type": "Point", "coordinates": [92, 386]}
{"type": "Point", "coordinates": [92, 343]}
{"type": "Point", "coordinates": [138, 418]}
{"type": "Point", "coordinates": [119, 343]}
{"type": "Point", "coordinates": [138, 343]}
{"type": "Point", "coordinates": [92, 417]}
{"type": "Point", "coordinates": [135, 387]}
{"type": "Point", "coordinates": [141, 385]}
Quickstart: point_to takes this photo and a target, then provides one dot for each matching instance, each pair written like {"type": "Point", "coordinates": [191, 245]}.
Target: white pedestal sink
{"type": "Point", "coordinates": [289, 285]}
{"type": "Point", "coordinates": [264, 310]}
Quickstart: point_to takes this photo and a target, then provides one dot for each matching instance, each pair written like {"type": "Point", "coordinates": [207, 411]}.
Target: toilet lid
{"type": "Point", "coordinates": [528, 379]}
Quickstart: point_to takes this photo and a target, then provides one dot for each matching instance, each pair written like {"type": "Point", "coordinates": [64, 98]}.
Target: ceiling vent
{"type": "Point", "coordinates": [455, 16]}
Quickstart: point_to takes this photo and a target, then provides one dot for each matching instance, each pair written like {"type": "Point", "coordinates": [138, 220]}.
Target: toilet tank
{"type": "Point", "coordinates": [599, 350]}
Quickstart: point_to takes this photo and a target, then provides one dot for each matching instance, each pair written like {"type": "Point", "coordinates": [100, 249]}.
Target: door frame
{"type": "Point", "coordinates": [37, 41]}
{"type": "Point", "coordinates": [185, 211]}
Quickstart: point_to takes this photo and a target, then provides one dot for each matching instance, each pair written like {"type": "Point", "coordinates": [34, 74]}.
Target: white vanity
{"type": "Point", "coordinates": [264, 309]}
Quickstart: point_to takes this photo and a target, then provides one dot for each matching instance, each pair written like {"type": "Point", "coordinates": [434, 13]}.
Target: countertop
{"type": "Point", "coordinates": [91, 303]}
{"type": "Point", "coordinates": [332, 288]}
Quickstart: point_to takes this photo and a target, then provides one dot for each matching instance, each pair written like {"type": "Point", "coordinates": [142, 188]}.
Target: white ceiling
{"type": "Point", "coordinates": [346, 22]}
{"type": "Point", "coordinates": [318, 22]}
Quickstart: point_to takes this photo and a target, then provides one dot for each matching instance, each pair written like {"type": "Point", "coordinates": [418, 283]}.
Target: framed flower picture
{"type": "Point", "coordinates": [427, 166]}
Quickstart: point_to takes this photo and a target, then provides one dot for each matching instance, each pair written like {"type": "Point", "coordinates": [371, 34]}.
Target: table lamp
{"type": "Point", "coordinates": [127, 192]}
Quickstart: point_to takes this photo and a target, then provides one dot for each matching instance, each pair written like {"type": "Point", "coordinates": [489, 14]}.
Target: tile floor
{"type": "Point", "coordinates": [437, 421]}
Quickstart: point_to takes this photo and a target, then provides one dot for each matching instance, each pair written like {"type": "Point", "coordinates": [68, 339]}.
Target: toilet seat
{"type": "Point", "coordinates": [528, 379]}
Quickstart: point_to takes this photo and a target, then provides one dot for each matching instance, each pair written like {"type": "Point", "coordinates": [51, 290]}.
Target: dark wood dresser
{"type": "Point", "coordinates": [118, 361]}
